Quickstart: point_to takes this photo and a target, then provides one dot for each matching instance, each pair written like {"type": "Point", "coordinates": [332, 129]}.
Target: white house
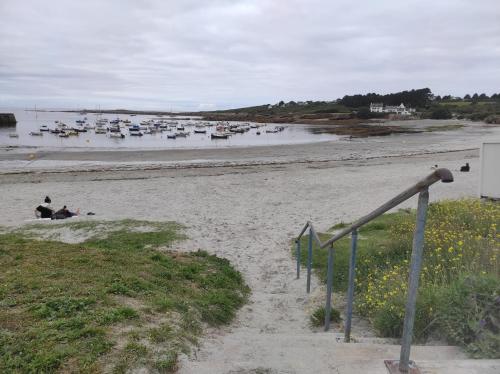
{"type": "Point", "coordinates": [376, 107]}
{"type": "Point", "coordinates": [400, 109]}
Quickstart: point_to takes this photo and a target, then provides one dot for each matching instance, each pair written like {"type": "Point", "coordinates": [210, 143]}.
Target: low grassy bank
{"type": "Point", "coordinates": [112, 302]}
{"type": "Point", "coordinates": [459, 294]}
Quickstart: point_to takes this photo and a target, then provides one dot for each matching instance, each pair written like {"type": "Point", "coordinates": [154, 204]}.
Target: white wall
{"type": "Point", "coordinates": [489, 185]}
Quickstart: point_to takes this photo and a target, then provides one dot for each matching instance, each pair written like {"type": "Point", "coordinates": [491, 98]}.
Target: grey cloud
{"type": "Point", "coordinates": [223, 53]}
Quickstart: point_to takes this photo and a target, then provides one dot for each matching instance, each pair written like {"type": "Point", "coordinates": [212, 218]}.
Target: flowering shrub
{"type": "Point", "coordinates": [462, 241]}
{"type": "Point", "coordinates": [461, 238]}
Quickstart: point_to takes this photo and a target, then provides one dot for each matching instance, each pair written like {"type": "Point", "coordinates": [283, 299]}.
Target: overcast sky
{"type": "Point", "coordinates": [190, 55]}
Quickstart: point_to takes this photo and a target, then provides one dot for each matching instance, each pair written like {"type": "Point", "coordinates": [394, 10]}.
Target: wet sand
{"type": "Point", "coordinates": [26, 160]}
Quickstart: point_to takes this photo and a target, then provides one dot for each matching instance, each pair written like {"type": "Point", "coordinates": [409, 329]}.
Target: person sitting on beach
{"type": "Point", "coordinates": [65, 213]}
{"type": "Point", "coordinates": [44, 210]}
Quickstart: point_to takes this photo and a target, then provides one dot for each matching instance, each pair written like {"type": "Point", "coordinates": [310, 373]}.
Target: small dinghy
{"type": "Point", "coordinates": [118, 135]}
{"type": "Point", "coordinates": [44, 128]}
{"type": "Point", "coordinates": [36, 133]}
{"type": "Point", "coordinates": [63, 134]}
{"type": "Point", "coordinates": [171, 136]}
{"type": "Point", "coordinates": [219, 136]}
{"type": "Point", "coordinates": [13, 135]}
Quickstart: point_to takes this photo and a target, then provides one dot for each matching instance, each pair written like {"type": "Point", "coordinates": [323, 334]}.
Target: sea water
{"type": "Point", "coordinates": [30, 120]}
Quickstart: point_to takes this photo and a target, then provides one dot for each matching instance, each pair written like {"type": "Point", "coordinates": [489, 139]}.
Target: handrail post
{"type": "Point", "coordinates": [309, 260]}
{"type": "Point", "coordinates": [298, 258]}
{"type": "Point", "coordinates": [416, 264]}
{"type": "Point", "coordinates": [329, 282]}
{"type": "Point", "coordinates": [350, 289]}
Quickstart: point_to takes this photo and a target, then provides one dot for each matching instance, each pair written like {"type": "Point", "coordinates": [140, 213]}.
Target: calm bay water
{"type": "Point", "coordinates": [29, 121]}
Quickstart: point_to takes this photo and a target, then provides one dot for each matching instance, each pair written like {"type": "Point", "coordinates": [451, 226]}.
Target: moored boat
{"type": "Point", "coordinates": [219, 136]}
{"type": "Point", "coordinates": [135, 130]}
{"type": "Point", "coordinates": [237, 130]}
{"type": "Point", "coordinates": [79, 129]}
{"type": "Point", "coordinates": [114, 128]}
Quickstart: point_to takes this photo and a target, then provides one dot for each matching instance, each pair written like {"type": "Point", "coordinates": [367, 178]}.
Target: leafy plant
{"type": "Point", "coordinates": [318, 316]}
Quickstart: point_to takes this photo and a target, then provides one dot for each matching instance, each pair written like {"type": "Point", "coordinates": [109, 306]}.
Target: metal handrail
{"type": "Point", "coordinates": [443, 175]}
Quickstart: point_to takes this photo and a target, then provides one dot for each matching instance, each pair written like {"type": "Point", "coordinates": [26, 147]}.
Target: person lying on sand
{"type": "Point", "coordinates": [44, 210]}
{"type": "Point", "coordinates": [65, 213]}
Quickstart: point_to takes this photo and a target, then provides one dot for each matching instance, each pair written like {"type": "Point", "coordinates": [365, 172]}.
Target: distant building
{"type": "Point", "coordinates": [400, 109]}
{"type": "Point", "coordinates": [376, 107]}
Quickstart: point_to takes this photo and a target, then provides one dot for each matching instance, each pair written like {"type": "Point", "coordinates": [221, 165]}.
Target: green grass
{"type": "Point", "coordinates": [464, 103]}
{"type": "Point", "coordinates": [475, 111]}
{"type": "Point", "coordinates": [460, 253]}
{"type": "Point", "coordinates": [443, 128]}
{"type": "Point", "coordinates": [65, 307]}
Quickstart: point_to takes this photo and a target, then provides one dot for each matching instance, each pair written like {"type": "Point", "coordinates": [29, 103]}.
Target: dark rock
{"type": "Point", "coordinates": [7, 119]}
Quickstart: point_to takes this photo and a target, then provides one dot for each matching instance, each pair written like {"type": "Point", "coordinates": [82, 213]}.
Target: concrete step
{"type": "Point", "coordinates": [322, 353]}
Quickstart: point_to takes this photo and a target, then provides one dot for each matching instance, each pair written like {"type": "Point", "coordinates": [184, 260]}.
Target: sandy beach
{"type": "Point", "coordinates": [245, 205]}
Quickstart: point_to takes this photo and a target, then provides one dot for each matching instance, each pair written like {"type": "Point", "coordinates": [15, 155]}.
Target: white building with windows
{"type": "Point", "coordinates": [400, 109]}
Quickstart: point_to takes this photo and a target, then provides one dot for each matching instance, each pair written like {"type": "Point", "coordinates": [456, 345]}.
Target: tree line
{"type": "Point", "coordinates": [414, 98]}
{"type": "Point", "coordinates": [468, 97]}
{"type": "Point", "coordinates": [419, 98]}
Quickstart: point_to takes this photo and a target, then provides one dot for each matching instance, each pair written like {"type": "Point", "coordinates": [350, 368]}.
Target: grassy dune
{"type": "Point", "coordinates": [113, 302]}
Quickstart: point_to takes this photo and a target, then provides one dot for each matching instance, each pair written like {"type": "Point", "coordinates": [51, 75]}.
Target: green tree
{"type": "Point", "coordinates": [364, 113]}
{"type": "Point", "coordinates": [441, 113]}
